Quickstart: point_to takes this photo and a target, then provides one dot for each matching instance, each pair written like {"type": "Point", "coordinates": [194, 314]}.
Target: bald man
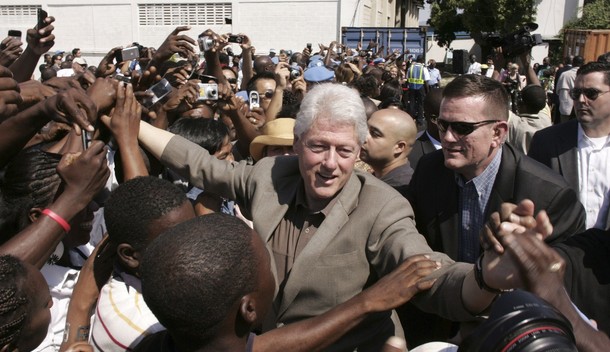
{"type": "Point", "coordinates": [391, 136]}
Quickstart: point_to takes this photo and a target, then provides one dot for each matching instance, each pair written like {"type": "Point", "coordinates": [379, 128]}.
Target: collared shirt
{"type": "Point", "coordinates": [436, 143]}
{"type": "Point", "coordinates": [435, 77]}
{"type": "Point", "coordinates": [593, 170]}
{"type": "Point", "coordinates": [474, 68]}
{"type": "Point", "coordinates": [473, 198]}
{"type": "Point", "coordinates": [293, 233]}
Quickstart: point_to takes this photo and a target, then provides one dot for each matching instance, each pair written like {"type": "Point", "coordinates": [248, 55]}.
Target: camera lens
{"type": "Point", "coordinates": [521, 322]}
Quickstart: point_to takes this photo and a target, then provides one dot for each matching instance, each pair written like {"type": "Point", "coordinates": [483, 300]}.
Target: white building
{"type": "Point", "coordinates": [97, 26]}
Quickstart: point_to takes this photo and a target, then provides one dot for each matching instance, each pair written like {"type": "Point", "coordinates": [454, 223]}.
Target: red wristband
{"type": "Point", "coordinates": [58, 219]}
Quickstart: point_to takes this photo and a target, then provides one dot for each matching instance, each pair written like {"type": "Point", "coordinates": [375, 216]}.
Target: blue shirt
{"type": "Point", "coordinates": [473, 199]}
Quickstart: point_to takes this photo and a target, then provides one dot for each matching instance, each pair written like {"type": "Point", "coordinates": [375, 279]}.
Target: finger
{"type": "Point", "coordinates": [120, 97]}
{"type": "Point", "coordinates": [106, 120]}
{"type": "Point", "coordinates": [180, 29]}
{"type": "Point", "coordinates": [543, 225]}
{"type": "Point", "coordinates": [489, 241]}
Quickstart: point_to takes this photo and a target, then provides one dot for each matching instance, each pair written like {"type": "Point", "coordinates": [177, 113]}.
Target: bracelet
{"type": "Point", "coordinates": [58, 219]}
{"type": "Point", "coordinates": [478, 276]}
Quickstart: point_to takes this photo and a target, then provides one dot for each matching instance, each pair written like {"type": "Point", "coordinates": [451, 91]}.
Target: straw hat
{"type": "Point", "coordinates": [277, 132]}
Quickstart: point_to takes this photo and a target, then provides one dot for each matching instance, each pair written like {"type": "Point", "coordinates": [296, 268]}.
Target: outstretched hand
{"type": "Point", "coordinates": [175, 43]}
{"type": "Point", "coordinates": [10, 50]}
{"type": "Point", "coordinates": [400, 285]}
{"type": "Point", "coordinates": [72, 106]}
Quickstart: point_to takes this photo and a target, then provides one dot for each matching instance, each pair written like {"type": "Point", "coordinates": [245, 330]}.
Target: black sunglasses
{"type": "Point", "coordinates": [590, 93]}
{"type": "Point", "coordinates": [268, 94]}
{"type": "Point", "coordinates": [232, 80]}
{"type": "Point", "coordinates": [461, 128]}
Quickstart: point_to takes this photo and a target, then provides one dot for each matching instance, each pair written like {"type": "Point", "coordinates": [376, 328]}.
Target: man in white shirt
{"type": "Point", "coordinates": [564, 86]}
{"type": "Point", "coordinates": [475, 67]}
{"type": "Point", "coordinates": [580, 149]}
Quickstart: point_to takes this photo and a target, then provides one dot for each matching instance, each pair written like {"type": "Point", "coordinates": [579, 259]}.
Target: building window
{"type": "Point", "coordinates": [18, 15]}
{"type": "Point", "coordinates": [207, 14]}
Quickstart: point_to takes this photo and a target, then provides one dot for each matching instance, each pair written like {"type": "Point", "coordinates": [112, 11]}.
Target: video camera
{"type": "Point", "coordinates": [516, 43]}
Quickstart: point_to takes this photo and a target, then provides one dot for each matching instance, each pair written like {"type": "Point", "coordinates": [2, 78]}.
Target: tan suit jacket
{"type": "Point", "coordinates": [369, 230]}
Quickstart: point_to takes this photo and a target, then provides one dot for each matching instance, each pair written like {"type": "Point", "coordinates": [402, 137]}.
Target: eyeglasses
{"type": "Point", "coordinates": [461, 128]}
{"type": "Point", "coordinates": [590, 93]}
{"type": "Point", "coordinates": [232, 80]}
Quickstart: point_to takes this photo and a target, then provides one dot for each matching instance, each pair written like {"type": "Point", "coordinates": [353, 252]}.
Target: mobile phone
{"type": "Point", "coordinates": [254, 100]}
{"type": "Point", "coordinates": [84, 135]}
{"type": "Point", "coordinates": [309, 46]}
{"type": "Point", "coordinates": [233, 38]}
{"type": "Point", "coordinates": [14, 33]}
{"type": "Point", "coordinates": [127, 54]}
{"type": "Point", "coordinates": [42, 15]}
{"type": "Point", "coordinates": [159, 91]}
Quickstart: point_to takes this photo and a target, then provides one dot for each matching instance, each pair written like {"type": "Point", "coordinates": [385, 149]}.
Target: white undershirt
{"type": "Point", "coordinates": [593, 176]}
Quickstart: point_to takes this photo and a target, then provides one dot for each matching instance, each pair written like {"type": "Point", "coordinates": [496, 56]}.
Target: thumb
{"type": "Point", "coordinates": [106, 120]}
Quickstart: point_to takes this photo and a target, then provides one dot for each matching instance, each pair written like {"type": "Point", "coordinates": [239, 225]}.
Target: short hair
{"type": "Point", "coordinates": [591, 67]}
{"type": "Point", "coordinates": [391, 89]}
{"type": "Point", "coordinates": [344, 73]}
{"type": "Point", "coordinates": [134, 204]}
{"type": "Point", "coordinates": [534, 97]}
{"type": "Point", "coordinates": [47, 74]}
{"type": "Point", "coordinates": [366, 84]}
{"type": "Point", "coordinates": [30, 181]}
{"type": "Point", "coordinates": [432, 103]}
{"type": "Point", "coordinates": [493, 93]}
{"type": "Point", "coordinates": [262, 75]}
{"type": "Point", "coordinates": [193, 274]}
{"type": "Point", "coordinates": [75, 50]}
{"type": "Point", "coordinates": [335, 102]}
{"type": "Point", "coordinates": [604, 58]}
{"type": "Point", "coordinates": [578, 61]}
{"type": "Point", "coordinates": [207, 133]}
{"type": "Point", "coordinates": [13, 299]}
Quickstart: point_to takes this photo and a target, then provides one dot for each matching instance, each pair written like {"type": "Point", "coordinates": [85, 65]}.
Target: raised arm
{"type": "Point", "coordinates": [83, 177]}
{"type": "Point", "coordinates": [40, 40]}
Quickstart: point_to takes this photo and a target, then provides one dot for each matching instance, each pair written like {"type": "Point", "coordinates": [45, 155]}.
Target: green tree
{"type": "Point", "coordinates": [595, 15]}
{"type": "Point", "coordinates": [478, 17]}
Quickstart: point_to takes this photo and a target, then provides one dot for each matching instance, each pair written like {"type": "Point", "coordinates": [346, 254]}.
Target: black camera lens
{"type": "Point", "coordinates": [522, 322]}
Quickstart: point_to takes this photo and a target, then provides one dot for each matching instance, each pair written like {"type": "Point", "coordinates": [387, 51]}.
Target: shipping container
{"type": "Point", "coordinates": [588, 43]}
{"type": "Point", "coordinates": [403, 39]}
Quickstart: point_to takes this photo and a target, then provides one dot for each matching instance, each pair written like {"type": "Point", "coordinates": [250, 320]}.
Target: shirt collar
{"type": "Point", "coordinates": [486, 179]}
{"type": "Point", "coordinates": [585, 141]}
{"type": "Point", "coordinates": [301, 201]}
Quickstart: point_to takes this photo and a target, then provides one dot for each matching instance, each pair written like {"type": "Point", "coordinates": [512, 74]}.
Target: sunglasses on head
{"type": "Point", "coordinates": [461, 128]}
{"type": "Point", "coordinates": [589, 93]}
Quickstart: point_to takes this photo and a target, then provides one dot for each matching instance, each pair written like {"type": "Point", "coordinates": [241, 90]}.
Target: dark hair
{"type": "Point", "coordinates": [534, 98]}
{"type": "Point", "coordinates": [391, 89]}
{"type": "Point", "coordinates": [13, 299]}
{"type": "Point", "coordinates": [591, 67]}
{"type": "Point", "coordinates": [492, 92]}
{"type": "Point", "coordinates": [366, 85]}
{"type": "Point", "coordinates": [577, 61]}
{"type": "Point", "coordinates": [134, 204]}
{"type": "Point", "coordinates": [605, 58]}
{"type": "Point", "coordinates": [207, 133]}
{"type": "Point", "coordinates": [30, 181]}
{"type": "Point", "coordinates": [47, 74]}
{"type": "Point", "coordinates": [193, 274]}
{"type": "Point", "coordinates": [256, 77]}
{"type": "Point", "coordinates": [224, 59]}
{"type": "Point", "coordinates": [432, 103]}
{"type": "Point", "coordinates": [75, 50]}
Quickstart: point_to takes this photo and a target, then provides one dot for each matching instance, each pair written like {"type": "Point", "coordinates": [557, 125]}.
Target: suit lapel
{"type": "Point", "coordinates": [568, 154]}
{"type": "Point", "coordinates": [330, 227]}
{"type": "Point", "coordinates": [448, 214]}
{"type": "Point", "coordinates": [504, 185]}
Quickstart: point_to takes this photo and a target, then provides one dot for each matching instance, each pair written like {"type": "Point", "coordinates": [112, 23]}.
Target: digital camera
{"type": "Point", "coordinates": [205, 42]}
{"type": "Point", "coordinates": [208, 91]}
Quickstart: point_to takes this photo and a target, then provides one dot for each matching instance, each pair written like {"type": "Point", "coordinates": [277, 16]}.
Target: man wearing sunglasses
{"type": "Point", "coordinates": [454, 190]}
{"type": "Point", "coordinates": [580, 149]}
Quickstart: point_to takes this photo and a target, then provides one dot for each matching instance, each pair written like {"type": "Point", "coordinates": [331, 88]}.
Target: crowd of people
{"type": "Point", "coordinates": [185, 198]}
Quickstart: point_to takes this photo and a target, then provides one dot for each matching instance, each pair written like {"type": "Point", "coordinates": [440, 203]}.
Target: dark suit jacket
{"type": "Point", "coordinates": [433, 193]}
{"type": "Point", "coordinates": [557, 148]}
{"type": "Point", "coordinates": [421, 147]}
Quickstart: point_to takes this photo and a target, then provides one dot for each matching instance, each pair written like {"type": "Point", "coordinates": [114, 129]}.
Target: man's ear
{"type": "Point", "coordinates": [399, 147]}
{"type": "Point", "coordinates": [129, 256]}
{"type": "Point", "coordinates": [247, 309]}
{"type": "Point", "coordinates": [500, 132]}
{"type": "Point", "coordinates": [33, 215]}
